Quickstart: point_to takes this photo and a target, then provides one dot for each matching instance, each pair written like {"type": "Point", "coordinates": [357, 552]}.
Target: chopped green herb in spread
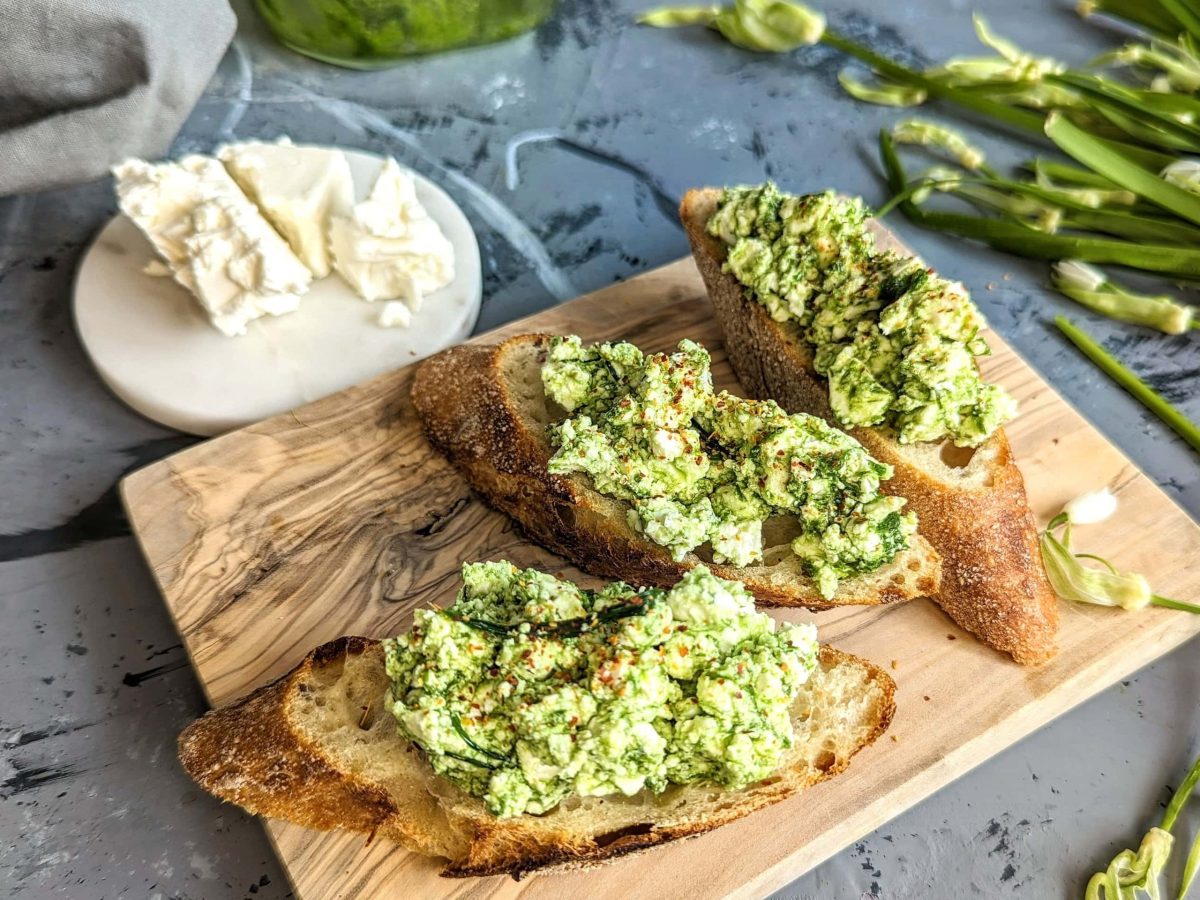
{"type": "Point", "coordinates": [528, 689]}
{"type": "Point", "coordinates": [700, 467]}
{"type": "Point", "coordinates": [896, 341]}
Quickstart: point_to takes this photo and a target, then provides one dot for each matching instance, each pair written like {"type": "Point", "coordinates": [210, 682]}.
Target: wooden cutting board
{"type": "Point", "coordinates": [339, 518]}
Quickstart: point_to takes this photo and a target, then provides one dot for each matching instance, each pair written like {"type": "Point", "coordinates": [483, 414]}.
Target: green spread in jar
{"type": "Point", "coordinates": [699, 467]}
{"type": "Point", "coordinates": [372, 33]}
{"type": "Point", "coordinates": [896, 342]}
{"type": "Point", "coordinates": [528, 689]}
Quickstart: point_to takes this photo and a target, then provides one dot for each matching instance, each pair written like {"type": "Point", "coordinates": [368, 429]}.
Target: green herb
{"type": "Point", "coordinates": [1134, 385]}
{"type": "Point", "coordinates": [675, 16]}
{"type": "Point", "coordinates": [794, 25]}
{"type": "Point", "coordinates": [1131, 874]}
{"type": "Point", "coordinates": [882, 93]}
{"type": "Point", "coordinates": [564, 628]}
{"type": "Point", "coordinates": [1077, 143]}
{"type": "Point", "coordinates": [462, 733]}
{"type": "Point", "coordinates": [1095, 290]}
{"type": "Point", "coordinates": [925, 133]}
{"type": "Point", "coordinates": [1079, 583]}
{"type": "Point", "coordinates": [466, 759]}
{"type": "Point", "coordinates": [765, 26]}
{"type": "Point", "coordinates": [1025, 241]}
{"type": "Point", "coordinates": [1137, 11]}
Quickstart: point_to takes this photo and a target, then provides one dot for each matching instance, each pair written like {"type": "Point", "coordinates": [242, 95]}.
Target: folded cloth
{"type": "Point", "coordinates": [86, 83]}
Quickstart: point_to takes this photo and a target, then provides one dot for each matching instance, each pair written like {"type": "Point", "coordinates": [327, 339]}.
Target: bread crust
{"type": "Point", "coordinates": [473, 414]}
{"type": "Point", "coordinates": [259, 753]}
{"type": "Point", "coordinates": [993, 583]}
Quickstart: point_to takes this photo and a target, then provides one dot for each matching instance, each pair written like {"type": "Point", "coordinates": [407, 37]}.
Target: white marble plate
{"type": "Point", "coordinates": [154, 348]}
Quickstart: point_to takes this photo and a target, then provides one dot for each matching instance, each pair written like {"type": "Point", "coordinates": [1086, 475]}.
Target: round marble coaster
{"type": "Point", "coordinates": [153, 346]}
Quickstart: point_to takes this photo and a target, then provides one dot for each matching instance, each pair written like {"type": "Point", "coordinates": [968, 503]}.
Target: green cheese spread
{"type": "Point", "coordinates": [700, 467]}
{"type": "Point", "coordinates": [528, 689]}
{"type": "Point", "coordinates": [896, 342]}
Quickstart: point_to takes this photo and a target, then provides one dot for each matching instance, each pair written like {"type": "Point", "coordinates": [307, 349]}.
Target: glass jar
{"type": "Point", "coordinates": [370, 34]}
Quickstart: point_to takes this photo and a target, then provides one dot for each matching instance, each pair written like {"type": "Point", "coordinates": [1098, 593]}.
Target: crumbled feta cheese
{"type": "Point", "coordinates": [389, 248]}
{"type": "Point", "coordinates": [395, 313]}
{"type": "Point", "coordinates": [666, 444]}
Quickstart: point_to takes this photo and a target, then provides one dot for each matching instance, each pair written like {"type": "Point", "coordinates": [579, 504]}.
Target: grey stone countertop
{"type": "Point", "coordinates": [567, 148]}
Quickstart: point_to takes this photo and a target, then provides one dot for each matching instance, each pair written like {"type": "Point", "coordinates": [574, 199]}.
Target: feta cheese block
{"type": "Point", "coordinates": [298, 189]}
{"type": "Point", "coordinates": [389, 248]}
{"type": "Point", "coordinates": [215, 241]}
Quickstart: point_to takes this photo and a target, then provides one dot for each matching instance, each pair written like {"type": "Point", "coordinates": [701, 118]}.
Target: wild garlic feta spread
{"type": "Point", "coordinates": [700, 467]}
{"type": "Point", "coordinates": [896, 341]}
{"type": "Point", "coordinates": [528, 689]}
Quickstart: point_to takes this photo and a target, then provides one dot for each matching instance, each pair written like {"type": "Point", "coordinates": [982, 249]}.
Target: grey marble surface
{"type": "Point", "coordinates": [567, 148]}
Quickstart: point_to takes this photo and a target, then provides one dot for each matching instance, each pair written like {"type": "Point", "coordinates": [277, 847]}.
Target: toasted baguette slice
{"type": "Point", "coordinates": [318, 749]}
{"type": "Point", "coordinates": [485, 408]}
{"type": "Point", "coordinates": [975, 514]}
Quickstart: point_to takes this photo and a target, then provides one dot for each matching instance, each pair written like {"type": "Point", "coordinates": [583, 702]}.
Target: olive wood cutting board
{"type": "Point", "coordinates": [339, 518]}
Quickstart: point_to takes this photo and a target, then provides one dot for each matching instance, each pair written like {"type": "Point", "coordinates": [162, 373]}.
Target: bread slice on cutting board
{"type": "Point", "coordinates": [484, 407]}
{"type": "Point", "coordinates": [317, 748]}
{"type": "Point", "coordinates": [971, 505]}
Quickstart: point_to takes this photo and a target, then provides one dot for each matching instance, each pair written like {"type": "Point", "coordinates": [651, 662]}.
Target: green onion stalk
{"type": "Point", "coordinates": [1130, 382]}
{"type": "Point", "coordinates": [1090, 287]}
{"type": "Point", "coordinates": [1131, 875]}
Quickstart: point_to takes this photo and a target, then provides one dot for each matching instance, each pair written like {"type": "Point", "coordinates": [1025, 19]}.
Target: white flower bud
{"type": "Point", "coordinates": [1071, 273]}
{"type": "Point", "coordinates": [1184, 173]}
{"type": "Point", "coordinates": [1092, 507]}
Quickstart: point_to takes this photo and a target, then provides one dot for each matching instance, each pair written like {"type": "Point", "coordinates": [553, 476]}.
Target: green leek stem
{"type": "Point", "coordinates": [1167, 603]}
{"type": "Point", "coordinates": [1139, 12]}
{"type": "Point", "coordinates": [1145, 394]}
{"type": "Point", "coordinates": [1083, 147]}
{"type": "Point", "coordinates": [1182, 14]}
{"type": "Point", "coordinates": [1181, 797]}
{"type": "Point", "coordinates": [1010, 115]}
{"type": "Point", "coordinates": [1022, 240]}
{"type": "Point", "coordinates": [1102, 93]}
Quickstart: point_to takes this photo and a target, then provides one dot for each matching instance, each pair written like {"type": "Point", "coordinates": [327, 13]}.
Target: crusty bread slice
{"type": "Point", "coordinates": [317, 748]}
{"type": "Point", "coordinates": [971, 506]}
{"type": "Point", "coordinates": [485, 408]}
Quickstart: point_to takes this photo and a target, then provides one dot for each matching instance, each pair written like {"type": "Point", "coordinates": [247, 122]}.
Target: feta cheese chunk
{"type": "Point", "coordinates": [395, 313]}
{"type": "Point", "coordinates": [389, 248]}
{"type": "Point", "coordinates": [298, 189]}
{"type": "Point", "coordinates": [213, 238]}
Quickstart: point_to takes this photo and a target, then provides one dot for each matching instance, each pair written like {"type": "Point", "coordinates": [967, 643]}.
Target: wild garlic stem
{"type": "Point", "coordinates": [1134, 385]}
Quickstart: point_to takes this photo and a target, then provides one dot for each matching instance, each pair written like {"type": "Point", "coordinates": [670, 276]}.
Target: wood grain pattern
{"type": "Point", "coordinates": [338, 519]}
